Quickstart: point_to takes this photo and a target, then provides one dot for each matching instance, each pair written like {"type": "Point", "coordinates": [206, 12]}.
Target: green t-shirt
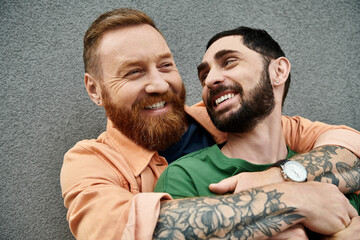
{"type": "Point", "coordinates": [191, 175]}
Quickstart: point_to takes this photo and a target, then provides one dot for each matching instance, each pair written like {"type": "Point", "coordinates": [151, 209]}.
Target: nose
{"type": "Point", "coordinates": [156, 83]}
{"type": "Point", "coordinates": [214, 78]}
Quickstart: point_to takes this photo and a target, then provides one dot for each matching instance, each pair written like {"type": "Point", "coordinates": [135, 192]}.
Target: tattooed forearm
{"type": "Point", "coordinates": [350, 174]}
{"type": "Point", "coordinates": [332, 164]}
{"type": "Point", "coordinates": [318, 164]}
{"type": "Point", "coordinates": [252, 214]}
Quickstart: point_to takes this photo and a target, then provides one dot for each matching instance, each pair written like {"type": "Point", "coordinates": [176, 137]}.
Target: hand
{"type": "Point", "coordinates": [351, 232]}
{"type": "Point", "coordinates": [296, 232]}
{"type": "Point", "coordinates": [247, 180]}
{"type": "Point", "coordinates": [326, 209]}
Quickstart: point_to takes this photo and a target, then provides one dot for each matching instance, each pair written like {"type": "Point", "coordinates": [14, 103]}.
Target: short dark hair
{"type": "Point", "coordinates": [259, 41]}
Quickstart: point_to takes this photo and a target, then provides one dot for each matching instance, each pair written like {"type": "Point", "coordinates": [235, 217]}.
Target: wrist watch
{"type": "Point", "coordinates": [292, 170]}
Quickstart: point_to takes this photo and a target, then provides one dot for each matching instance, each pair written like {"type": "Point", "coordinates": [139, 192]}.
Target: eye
{"type": "Point", "coordinates": [202, 77]}
{"type": "Point", "coordinates": [166, 66]}
{"type": "Point", "coordinates": [229, 62]}
{"type": "Point", "coordinates": [134, 73]}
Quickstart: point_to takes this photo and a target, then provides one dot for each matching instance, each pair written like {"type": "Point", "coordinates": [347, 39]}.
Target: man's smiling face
{"type": "Point", "coordinates": [141, 87]}
{"type": "Point", "coordinates": [236, 87]}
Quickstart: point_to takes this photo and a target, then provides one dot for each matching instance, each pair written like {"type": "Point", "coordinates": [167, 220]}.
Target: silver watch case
{"type": "Point", "coordinates": [294, 171]}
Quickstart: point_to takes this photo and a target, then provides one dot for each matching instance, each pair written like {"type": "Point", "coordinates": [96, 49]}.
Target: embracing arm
{"type": "Point", "coordinates": [330, 154]}
{"type": "Point", "coordinates": [256, 213]}
{"type": "Point", "coordinates": [332, 164]}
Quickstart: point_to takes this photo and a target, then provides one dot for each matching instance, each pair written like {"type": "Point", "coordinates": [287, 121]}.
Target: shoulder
{"type": "Point", "coordinates": [294, 120]}
{"type": "Point", "coordinates": [90, 146]}
{"type": "Point", "coordinates": [93, 155]}
{"type": "Point", "coordinates": [93, 161]}
{"type": "Point", "coordinates": [81, 147]}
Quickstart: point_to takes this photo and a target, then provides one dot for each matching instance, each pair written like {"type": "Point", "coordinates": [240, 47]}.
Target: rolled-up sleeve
{"type": "Point", "coordinates": [302, 135]}
{"type": "Point", "coordinates": [99, 200]}
{"type": "Point", "coordinates": [143, 215]}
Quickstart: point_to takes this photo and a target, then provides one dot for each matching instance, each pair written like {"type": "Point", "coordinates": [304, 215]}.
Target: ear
{"type": "Point", "coordinates": [93, 89]}
{"type": "Point", "coordinates": [279, 71]}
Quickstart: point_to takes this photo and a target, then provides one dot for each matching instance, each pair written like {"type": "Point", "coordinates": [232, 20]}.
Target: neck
{"type": "Point", "coordinates": [263, 145]}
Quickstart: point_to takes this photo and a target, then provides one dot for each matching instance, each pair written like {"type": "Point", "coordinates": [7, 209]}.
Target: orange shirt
{"type": "Point", "coordinates": [107, 183]}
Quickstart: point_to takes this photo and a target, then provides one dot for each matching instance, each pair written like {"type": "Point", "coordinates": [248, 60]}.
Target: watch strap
{"type": "Point", "coordinates": [280, 162]}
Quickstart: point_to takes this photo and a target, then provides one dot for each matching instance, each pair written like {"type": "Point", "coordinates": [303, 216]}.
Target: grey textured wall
{"type": "Point", "coordinates": [45, 109]}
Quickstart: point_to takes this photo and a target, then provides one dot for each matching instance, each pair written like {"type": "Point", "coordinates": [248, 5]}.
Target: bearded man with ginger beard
{"type": "Point", "coordinates": [155, 132]}
{"type": "Point", "coordinates": [107, 183]}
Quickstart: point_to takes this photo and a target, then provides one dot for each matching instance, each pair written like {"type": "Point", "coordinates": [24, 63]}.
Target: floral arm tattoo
{"type": "Point", "coordinates": [332, 164]}
{"type": "Point", "coordinates": [247, 215]}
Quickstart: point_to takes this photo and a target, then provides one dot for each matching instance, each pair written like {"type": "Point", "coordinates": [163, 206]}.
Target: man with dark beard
{"type": "Point", "coordinates": [259, 104]}
{"type": "Point", "coordinates": [107, 183]}
{"type": "Point", "coordinates": [244, 87]}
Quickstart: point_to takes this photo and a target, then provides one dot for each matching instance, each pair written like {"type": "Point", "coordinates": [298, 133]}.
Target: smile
{"type": "Point", "coordinates": [224, 98]}
{"type": "Point", "coordinates": [156, 105]}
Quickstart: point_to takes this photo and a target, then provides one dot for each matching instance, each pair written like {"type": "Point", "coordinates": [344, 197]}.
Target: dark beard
{"type": "Point", "coordinates": [260, 104]}
{"type": "Point", "coordinates": [153, 133]}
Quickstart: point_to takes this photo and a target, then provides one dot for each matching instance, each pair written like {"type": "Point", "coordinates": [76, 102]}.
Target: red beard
{"type": "Point", "coordinates": [154, 133]}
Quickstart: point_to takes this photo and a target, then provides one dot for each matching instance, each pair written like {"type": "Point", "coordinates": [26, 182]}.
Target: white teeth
{"type": "Point", "coordinates": [156, 105]}
{"type": "Point", "coordinates": [223, 98]}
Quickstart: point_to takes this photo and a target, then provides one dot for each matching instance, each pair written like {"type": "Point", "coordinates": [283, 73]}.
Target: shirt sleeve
{"type": "Point", "coordinates": [177, 182]}
{"type": "Point", "coordinates": [143, 215]}
{"type": "Point", "coordinates": [100, 204]}
{"type": "Point", "coordinates": [301, 135]}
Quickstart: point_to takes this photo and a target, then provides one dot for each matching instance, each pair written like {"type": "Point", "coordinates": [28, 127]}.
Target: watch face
{"type": "Point", "coordinates": [295, 171]}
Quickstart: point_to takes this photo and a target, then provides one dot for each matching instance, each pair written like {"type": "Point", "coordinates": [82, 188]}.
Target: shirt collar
{"type": "Point", "coordinates": [136, 156]}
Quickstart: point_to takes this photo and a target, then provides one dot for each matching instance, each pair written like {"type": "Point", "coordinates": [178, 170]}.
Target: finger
{"type": "Point", "coordinates": [352, 211]}
{"type": "Point", "coordinates": [224, 186]}
{"type": "Point", "coordinates": [296, 231]}
{"type": "Point", "coordinates": [355, 219]}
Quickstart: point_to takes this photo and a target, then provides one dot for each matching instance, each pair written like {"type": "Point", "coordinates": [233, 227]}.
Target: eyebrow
{"type": "Point", "coordinates": [134, 62]}
{"type": "Point", "coordinates": [222, 53]}
{"type": "Point", "coordinates": [217, 56]}
{"type": "Point", "coordinates": [166, 55]}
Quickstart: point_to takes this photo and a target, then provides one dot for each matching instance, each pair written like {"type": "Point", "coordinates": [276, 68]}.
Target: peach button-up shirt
{"type": "Point", "coordinates": [107, 183]}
